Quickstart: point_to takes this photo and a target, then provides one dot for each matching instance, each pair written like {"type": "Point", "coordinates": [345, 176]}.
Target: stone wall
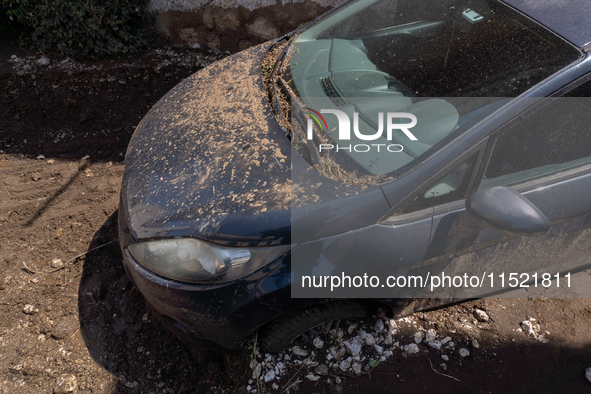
{"type": "Point", "coordinates": [232, 24]}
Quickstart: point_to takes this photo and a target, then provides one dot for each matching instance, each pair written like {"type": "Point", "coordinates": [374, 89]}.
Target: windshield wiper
{"type": "Point", "coordinates": [276, 77]}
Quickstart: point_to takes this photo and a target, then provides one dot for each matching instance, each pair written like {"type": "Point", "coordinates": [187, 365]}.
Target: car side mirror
{"type": "Point", "coordinates": [506, 210]}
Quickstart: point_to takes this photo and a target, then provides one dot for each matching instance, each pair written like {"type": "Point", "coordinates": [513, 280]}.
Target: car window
{"type": "Point", "coordinates": [448, 188]}
{"type": "Point", "coordinates": [551, 139]}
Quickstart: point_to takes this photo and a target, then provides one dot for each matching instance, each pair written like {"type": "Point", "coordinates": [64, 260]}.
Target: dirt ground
{"type": "Point", "coordinates": [70, 321]}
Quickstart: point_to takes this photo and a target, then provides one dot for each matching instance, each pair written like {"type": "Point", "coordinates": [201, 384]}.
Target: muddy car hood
{"type": "Point", "coordinates": [210, 160]}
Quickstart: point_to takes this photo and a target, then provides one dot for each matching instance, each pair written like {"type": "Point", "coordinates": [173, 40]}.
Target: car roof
{"type": "Point", "coordinates": [569, 19]}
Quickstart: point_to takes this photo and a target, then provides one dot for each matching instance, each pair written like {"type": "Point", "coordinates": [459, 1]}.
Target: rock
{"type": "Point", "coordinates": [370, 340]}
{"type": "Point", "coordinates": [353, 346]}
{"type": "Point", "coordinates": [312, 377]}
{"type": "Point", "coordinates": [56, 263]}
{"type": "Point", "coordinates": [65, 327]}
{"type": "Point", "coordinates": [27, 68]}
{"type": "Point", "coordinates": [435, 344]}
{"type": "Point", "coordinates": [66, 383]}
{"type": "Point", "coordinates": [430, 335]}
{"type": "Point", "coordinates": [443, 366]}
{"type": "Point", "coordinates": [528, 328]}
{"type": "Point", "coordinates": [588, 374]}
{"type": "Point", "coordinates": [275, 386]}
{"type": "Point", "coordinates": [30, 309]}
{"type": "Point", "coordinates": [411, 348]}
{"type": "Point", "coordinates": [321, 369]}
{"type": "Point", "coordinates": [481, 315]}
{"type": "Point", "coordinates": [419, 336]}
{"type": "Point", "coordinates": [393, 325]}
{"type": "Point", "coordinates": [43, 61]}
{"type": "Point", "coordinates": [270, 375]}
{"type": "Point", "coordinates": [344, 365]}
{"type": "Point", "coordinates": [379, 349]}
{"type": "Point", "coordinates": [337, 380]}
{"type": "Point", "coordinates": [298, 351]}
{"type": "Point", "coordinates": [196, 46]}
{"type": "Point", "coordinates": [256, 372]}
{"type": "Point", "coordinates": [475, 344]}
{"type": "Point", "coordinates": [464, 352]}
{"type": "Point", "coordinates": [542, 338]}
{"type": "Point", "coordinates": [319, 343]}
{"type": "Point", "coordinates": [445, 340]}
{"type": "Point", "coordinates": [356, 368]}
{"type": "Point", "coordinates": [387, 353]}
{"type": "Point", "coordinates": [444, 357]}
{"type": "Point", "coordinates": [40, 157]}
{"type": "Point", "coordinates": [338, 354]}
{"type": "Point", "coordinates": [379, 325]}
{"type": "Point", "coordinates": [351, 328]}
{"type": "Point", "coordinates": [280, 368]}
{"type": "Point", "coordinates": [388, 339]}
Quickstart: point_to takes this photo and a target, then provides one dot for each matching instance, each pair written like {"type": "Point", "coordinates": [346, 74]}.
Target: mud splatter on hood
{"type": "Point", "coordinates": [210, 160]}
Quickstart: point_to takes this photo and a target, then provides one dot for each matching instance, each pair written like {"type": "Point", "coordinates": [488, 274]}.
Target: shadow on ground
{"type": "Point", "coordinates": [123, 336]}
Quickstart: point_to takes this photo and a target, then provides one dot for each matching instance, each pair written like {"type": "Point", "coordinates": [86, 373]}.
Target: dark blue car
{"type": "Point", "coordinates": [361, 165]}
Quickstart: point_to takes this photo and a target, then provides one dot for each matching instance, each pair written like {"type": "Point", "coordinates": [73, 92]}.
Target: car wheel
{"type": "Point", "coordinates": [283, 330]}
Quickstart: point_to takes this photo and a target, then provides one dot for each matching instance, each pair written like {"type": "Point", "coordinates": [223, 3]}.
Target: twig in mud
{"type": "Point", "coordinates": [27, 269]}
{"type": "Point", "coordinates": [77, 257]}
{"type": "Point", "coordinates": [285, 388]}
{"type": "Point", "coordinates": [442, 374]}
{"type": "Point", "coordinates": [293, 384]}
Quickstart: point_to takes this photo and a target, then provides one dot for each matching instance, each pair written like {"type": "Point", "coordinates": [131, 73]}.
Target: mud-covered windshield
{"type": "Point", "coordinates": [426, 58]}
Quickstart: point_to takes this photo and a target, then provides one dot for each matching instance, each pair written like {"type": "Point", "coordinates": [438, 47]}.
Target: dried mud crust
{"type": "Point", "coordinates": [277, 89]}
{"type": "Point", "coordinates": [70, 321]}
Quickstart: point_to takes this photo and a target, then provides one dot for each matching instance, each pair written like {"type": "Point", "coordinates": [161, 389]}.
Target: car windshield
{"type": "Point", "coordinates": [428, 58]}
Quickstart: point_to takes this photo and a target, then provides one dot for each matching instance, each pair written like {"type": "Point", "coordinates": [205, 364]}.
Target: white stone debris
{"type": "Point", "coordinates": [312, 377]}
{"type": "Point", "coordinates": [353, 346]}
{"type": "Point", "coordinates": [318, 343]}
{"type": "Point", "coordinates": [270, 375]}
{"type": "Point", "coordinates": [430, 335]}
{"type": "Point", "coordinates": [321, 369]}
{"type": "Point", "coordinates": [475, 343]}
{"type": "Point", "coordinates": [411, 348]}
{"type": "Point", "coordinates": [298, 351]}
{"type": "Point", "coordinates": [419, 336]}
{"type": "Point", "coordinates": [481, 315]}
{"type": "Point", "coordinates": [588, 374]}
{"type": "Point", "coordinates": [30, 309]}
{"type": "Point", "coordinates": [444, 357]}
{"type": "Point", "coordinates": [530, 328]}
{"type": "Point", "coordinates": [379, 327]}
{"type": "Point", "coordinates": [344, 365]}
{"type": "Point", "coordinates": [435, 344]}
{"type": "Point", "coordinates": [464, 352]}
{"type": "Point", "coordinates": [43, 61]}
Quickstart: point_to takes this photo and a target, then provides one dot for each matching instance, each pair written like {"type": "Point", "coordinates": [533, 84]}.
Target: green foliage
{"type": "Point", "coordinates": [83, 28]}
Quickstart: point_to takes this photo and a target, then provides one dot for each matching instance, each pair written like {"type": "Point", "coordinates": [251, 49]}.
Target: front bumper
{"type": "Point", "coordinates": [216, 317]}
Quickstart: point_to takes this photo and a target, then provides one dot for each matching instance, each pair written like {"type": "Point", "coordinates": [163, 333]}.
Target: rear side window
{"type": "Point", "coordinates": [549, 140]}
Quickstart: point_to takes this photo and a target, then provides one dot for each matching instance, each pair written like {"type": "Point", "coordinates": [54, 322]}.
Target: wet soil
{"type": "Point", "coordinates": [70, 321]}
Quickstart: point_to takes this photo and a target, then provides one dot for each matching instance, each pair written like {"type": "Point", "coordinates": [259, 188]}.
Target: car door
{"type": "Point", "coordinates": [545, 155]}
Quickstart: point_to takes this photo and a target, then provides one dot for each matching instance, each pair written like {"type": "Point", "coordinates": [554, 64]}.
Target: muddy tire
{"type": "Point", "coordinates": [279, 333]}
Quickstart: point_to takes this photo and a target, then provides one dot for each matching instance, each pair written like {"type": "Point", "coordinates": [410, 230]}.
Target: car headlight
{"type": "Point", "coordinates": [196, 261]}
